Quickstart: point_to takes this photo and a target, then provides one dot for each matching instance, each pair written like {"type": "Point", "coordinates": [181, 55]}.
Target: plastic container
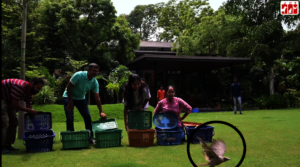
{"type": "Point", "coordinates": [206, 133]}
{"type": "Point", "coordinates": [191, 124]}
{"type": "Point", "coordinates": [38, 136]}
{"type": "Point", "coordinates": [75, 140]}
{"type": "Point", "coordinates": [165, 121]}
{"type": "Point", "coordinates": [105, 124]}
{"type": "Point", "coordinates": [169, 136]}
{"type": "Point", "coordinates": [140, 120]}
{"type": "Point", "coordinates": [108, 138]}
{"type": "Point", "coordinates": [141, 138]}
{"type": "Point", "coordinates": [195, 110]}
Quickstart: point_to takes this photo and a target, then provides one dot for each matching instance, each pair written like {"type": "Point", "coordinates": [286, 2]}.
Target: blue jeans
{"type": "Point", "coordinates": [83, 109]}
{"type": "Point", "coordinates": [235, 99]}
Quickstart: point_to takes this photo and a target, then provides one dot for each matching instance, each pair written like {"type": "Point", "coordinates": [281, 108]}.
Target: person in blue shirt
{"type": "Point", "coordinates": [236, 94]}
{"type": "Point", "coordinates": [74, 95]}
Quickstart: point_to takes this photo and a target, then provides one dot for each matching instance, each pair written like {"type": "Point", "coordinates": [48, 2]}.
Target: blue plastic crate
{"type": "Point", "coordinates": [169, 136]}
{"type": "Point", "coordinates": [38, 136]}
{"type": "Point", "coordinates": [39, 141]}
{"type": "Point", "coordinates": [206, 133]}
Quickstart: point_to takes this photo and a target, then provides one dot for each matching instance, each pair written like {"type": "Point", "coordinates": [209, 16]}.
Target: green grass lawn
{"type": "Point", "coordinates": [272, 138]}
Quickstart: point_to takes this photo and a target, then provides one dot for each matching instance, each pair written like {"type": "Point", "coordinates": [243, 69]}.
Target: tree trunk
{"type": "Point", "coordinates": [23, 48]}
{"type": "Point", "coordinates": [271, 80]}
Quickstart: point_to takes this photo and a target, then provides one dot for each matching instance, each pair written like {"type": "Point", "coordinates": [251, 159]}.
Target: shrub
{"type": "Point", "coordinates": [45, 96]}
{"type": "Point", "coordinates": [274, 101]}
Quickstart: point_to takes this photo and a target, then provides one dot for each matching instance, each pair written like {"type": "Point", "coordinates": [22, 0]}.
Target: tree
{"type": "Point", "coordinates": [143, 20]}
{"type": "Point", "coordinates": [265, 34]}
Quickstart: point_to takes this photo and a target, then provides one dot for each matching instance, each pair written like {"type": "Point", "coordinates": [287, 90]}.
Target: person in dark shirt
{"type": "Point", "coordinates": [236, 93]}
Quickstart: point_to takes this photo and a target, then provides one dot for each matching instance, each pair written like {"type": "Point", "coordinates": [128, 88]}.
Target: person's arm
{"type": "Point", "coordinates": [125, 116]}
{"type": "Point", "coordinates": [15, 96]}
{"type": "Point", "coordinates": [99, 105]}
{"type": "Point", "coordinates": [147, 96]}
{"type": "Point", "coordinates": [231, 91]}
{"type": "Point", "coordinates": [241, 91]}
{"type": "Point", "coordinates": [158, 107]}
{"type": "Point", "coordinates": [186, 107]}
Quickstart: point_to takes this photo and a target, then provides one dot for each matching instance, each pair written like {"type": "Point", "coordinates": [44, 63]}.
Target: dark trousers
{"type": "Point", "coordinates": [83, 109]}
{"type": "Point", "coordinates": [9, 124]}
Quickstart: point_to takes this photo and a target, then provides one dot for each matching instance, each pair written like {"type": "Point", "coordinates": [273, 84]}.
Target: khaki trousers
{"type": "Point", "coordinates": [9, 124]}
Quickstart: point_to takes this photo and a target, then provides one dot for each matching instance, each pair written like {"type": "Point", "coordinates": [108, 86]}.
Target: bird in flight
{"type": "Point", "coordinates": [214, 153]}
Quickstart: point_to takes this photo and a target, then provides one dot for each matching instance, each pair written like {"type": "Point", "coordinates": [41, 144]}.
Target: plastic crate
{"type": "Point", "coordinates": [108, 138]}
{"type": "Point", "coordinates": [39, 141]}
{"type": "Point", "coordinates": [169, 136]}
{"type": "Point", "coordinates": [141, 138]}
{"type": "Point", "coordinates": [105, 124]}
{"type": "Point", "coordinates": [38, 136]}
{"type": "Point", "coordinates": [206, 133]}
{"type": "Point", "coordinates": [140, 120]}
{"type": "Point", "coordinates": [75, 140]}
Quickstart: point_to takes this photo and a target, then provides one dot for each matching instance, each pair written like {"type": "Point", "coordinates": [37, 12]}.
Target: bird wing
{"type": "Point", "coordinates": [219, 147]}
{"type": "Point", "coordinates": [207, 151]}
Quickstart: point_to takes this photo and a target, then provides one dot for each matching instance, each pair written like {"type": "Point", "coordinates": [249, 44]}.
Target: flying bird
{"type": "Point", "coordinates": [214, 153]}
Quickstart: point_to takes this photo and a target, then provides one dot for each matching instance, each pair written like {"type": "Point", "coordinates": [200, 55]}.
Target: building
{"type": "Point", "coordinates": [158, 65]}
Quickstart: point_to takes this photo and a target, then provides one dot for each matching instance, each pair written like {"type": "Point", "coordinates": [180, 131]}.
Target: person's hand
{"type": "Point", "coordinates": [126, 125]}
{"type": "Point", "coordinates": [102, 115]}
{"type": "Point", "coordinates": [32, 111]}
{"type": "Point", "coordinates": [70, 106]}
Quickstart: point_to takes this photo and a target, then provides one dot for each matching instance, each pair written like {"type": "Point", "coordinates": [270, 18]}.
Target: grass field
{"type": "Point", "coordinates": [272, 138]}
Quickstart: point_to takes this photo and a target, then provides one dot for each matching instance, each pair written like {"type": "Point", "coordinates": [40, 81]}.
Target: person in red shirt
{"type": "Point", "coordinates": [161, 93]}
{"type": "Point", "coordinates": [14, 90]}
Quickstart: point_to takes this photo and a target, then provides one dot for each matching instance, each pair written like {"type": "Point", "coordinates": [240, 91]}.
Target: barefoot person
{"type": "Point", "coordinates": [14, 90]}
{"type": "Point", "coordinates": [161, 94]}
{"type": "Point", "coordinates": [135, 95]}
{"type": "Point", "coordinates": [74, 95]}
{"type": "Point", "coordinates": [173, 105]}
{"type": "Point", "coordinates": [236, 93]}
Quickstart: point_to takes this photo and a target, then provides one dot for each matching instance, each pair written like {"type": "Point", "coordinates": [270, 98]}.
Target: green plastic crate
{"type": "Point", "coordinates": [140, 120]}
{"type": "Point", "coordinates": [75, 140]}
{"type": "Point", "coordinates": [105, 124]}
{"type": "Point", "coordinates": [108, 138]}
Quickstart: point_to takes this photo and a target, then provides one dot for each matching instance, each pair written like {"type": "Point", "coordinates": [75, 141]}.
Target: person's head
{"type": "Point", "coordinates": [36, 85]}
{"type": "Point", "coordinates": [134, 81]}
{"type": "Point", "coordinates": [170, 92]}
{"type": "Point", "coordinates": [161, 87]}
{"type": "Point", "coordinates": [235, 80]}
{"type": "Point", "coordinates": [93, 70]}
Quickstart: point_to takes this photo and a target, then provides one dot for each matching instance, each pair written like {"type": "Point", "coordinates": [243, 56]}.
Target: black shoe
{"type": "Point", "coordinates": [235, 113]}
{"type": "Point", "coordinates": [91, 141]}
{"type": "Point", "coordinates": [240, 113]}
{"type": "Point", "coordinates": [11, 148]}
{"type": "Point", "coordinates": [5, 151]}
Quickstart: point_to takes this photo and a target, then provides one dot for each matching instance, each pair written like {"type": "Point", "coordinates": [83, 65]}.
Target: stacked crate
{"type": "Point", "coordinates": [206, 133]}
{"type": "Point", "coordinates": [139, 130]}
{"type": "Point", "coordinates": [106, 133]}
{"type": "Point", "coordinates": [38, 136]}
{"type": "Point", "coordinates": [167, 131]}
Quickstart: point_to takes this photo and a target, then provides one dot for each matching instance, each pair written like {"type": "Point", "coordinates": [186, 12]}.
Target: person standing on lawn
{"type": "Point", "coordinates": [236, 93]}
{"type": "Point", "coordinates": [136, 95]}
{"type": "Point", "coordinates": [14, 90]}
{"type": "Point", "coordinates": [74, 95]}
{"type": "Point", "coordinates": [173, 105]}
{"type": "Point", "coordinates": [147, 105]}
{"type": "Point", "coordinates": [161, 94]}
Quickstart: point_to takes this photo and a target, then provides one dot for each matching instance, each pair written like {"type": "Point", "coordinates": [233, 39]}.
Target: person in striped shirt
{"type": "Point", "coordinates": [14, 90]}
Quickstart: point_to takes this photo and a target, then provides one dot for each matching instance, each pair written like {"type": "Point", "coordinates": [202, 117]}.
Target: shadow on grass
{"type": "Point", "coordinates": [26, 156]}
